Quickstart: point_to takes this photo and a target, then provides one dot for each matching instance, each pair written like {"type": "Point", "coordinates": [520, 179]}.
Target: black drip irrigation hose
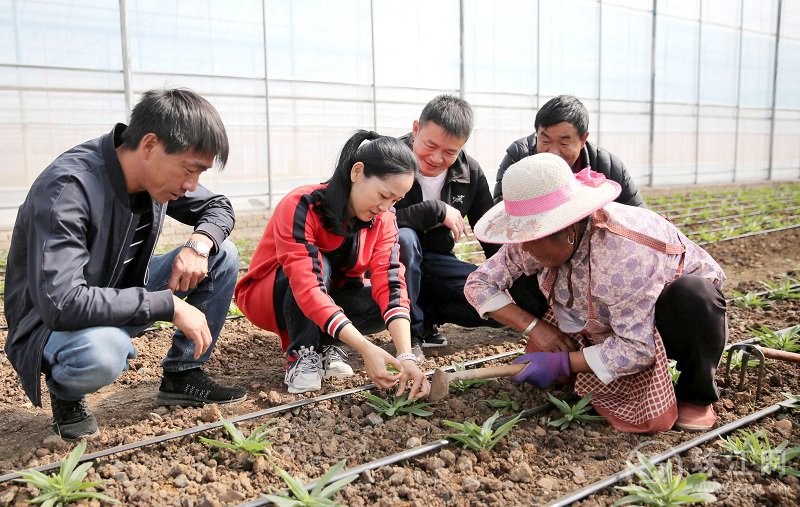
{"type": "Point", "coordinates": [403, 455]}
{"type": "Point", "coordinates": [705, 437]}
{"type": "Point", "coordinates": [244, 417]}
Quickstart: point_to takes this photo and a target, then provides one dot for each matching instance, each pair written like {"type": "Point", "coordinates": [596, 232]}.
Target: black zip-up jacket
{"type": "Point", "coordinates": [592, 155]}
{"type": "Point", "coordinates": [69, 242]}
{"type": "Point", "coordinates": [465, 188]}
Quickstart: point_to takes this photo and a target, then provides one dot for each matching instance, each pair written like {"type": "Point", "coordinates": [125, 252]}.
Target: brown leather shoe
{"type": "Point", "coordinates": [693, 417]}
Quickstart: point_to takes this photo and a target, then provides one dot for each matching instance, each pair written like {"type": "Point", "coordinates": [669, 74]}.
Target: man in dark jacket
{"type": "Point", "coordinates": [82, 279]}
{"type": "Point", "coordinates": [562, 128]}
{"type": "Point", "coordinates": [450, 185]}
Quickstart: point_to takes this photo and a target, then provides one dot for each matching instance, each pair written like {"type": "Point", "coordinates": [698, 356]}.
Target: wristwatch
{"type": "Point", "coordinates": [198, 246]}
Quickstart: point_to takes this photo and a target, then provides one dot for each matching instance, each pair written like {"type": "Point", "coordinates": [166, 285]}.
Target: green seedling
{"type": "Point", "coordinates": [477, 437]}
{"type": "Point", "coordinates": [504, 404]}
{"type": "Point", "coordinates": [67, 486]}
{"type": "Point", "coordinates": [398, 405]}
{"type": "Point", "coordinates": [783, 290]}
{"type": "Point", "coordinates": [749, 300]}
{"type": "Point", "coordinates": [736, 359]}
{"type": "Point", "coordinates": [767, 459]}
{"type": "Point", "coordinates": [234, 311]}
{"type": "Point", "coordinates": [788, 340]}
{"type": "Point", "coordinates": [674, 372]}
{"type": "Point", "coordinates": [161, 324]}
{"type": "Point", "coordinates": [256, 443]}
{"type": "Point", "coordinates": [463, 385]}
{"type": "Point", "coordinates": [573, 413]}
{"type": "Point", "coordinates": [661, 487]}
{"type": "Point", "coordinates": [391, 369]}
{"type": "Point", "coordinates": [796, 399]}
{"type": "Point", "coordinates": [320, 496]}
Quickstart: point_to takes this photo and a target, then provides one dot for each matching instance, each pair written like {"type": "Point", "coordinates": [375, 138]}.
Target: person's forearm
{"type": "Point", "coordinates": [512, 316]}
{"type": "Point", "coordinates": [577, 362]}
{"type": "Point", "coordinates": [400, 330]}
{"type": "Point", "coordinates": [352, 337]}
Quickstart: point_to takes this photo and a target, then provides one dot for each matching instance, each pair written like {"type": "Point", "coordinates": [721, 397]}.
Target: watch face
{"type": "Point", "coordinates": [202, 248]}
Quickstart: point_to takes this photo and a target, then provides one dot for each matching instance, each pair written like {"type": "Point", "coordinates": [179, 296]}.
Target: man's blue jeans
{"type": "Point", "coordinates": [435, 285]}
{"type": "Point", "coordinates": [83, 361]}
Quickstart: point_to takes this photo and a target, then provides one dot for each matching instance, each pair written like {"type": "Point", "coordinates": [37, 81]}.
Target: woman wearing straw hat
{"type": "Point", "coordinates": [626, 291]}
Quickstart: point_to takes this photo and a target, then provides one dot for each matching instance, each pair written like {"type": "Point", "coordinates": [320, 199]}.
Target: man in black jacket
{"type": "Point", "coordinates": [82, 278]}
{"type": "Point", "coordinates": [450, 185]}
{"type": "Point", "coordinates": [562, 128]}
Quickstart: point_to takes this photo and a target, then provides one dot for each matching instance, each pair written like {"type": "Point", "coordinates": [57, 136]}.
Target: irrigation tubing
{"type": "Point", "coordinates": [404, 455]}
{"type": "Point", "coordinates": [705, 437]}
{"type": "Point", "coordinates": [244, 417]}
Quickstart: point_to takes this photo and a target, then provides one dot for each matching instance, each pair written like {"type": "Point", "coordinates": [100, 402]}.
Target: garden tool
{"type": "Point", "coordinates": [761, 354]}
{"type": "Point", "coordinates": [440, 385]}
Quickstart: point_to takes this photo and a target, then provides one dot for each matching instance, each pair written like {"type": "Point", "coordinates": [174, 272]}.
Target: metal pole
{"type": "Point", "coordinates": [697, 102]}
{"type": "Point", "coordinates": [774, 91]}
{"type": "Point", "coordinates": [374, 84]}
{"type": "Point", "coordinates": [599, 66]}
{"type": "Point", "coordinates": [461, 69]}
{"type": "Point", "coordinates": [127, 80]}
{"type": "Point", "coordinates": [266, 103]}
{"type": "Point", "coordinates": [738, 93]}
{"type": "Point", "coordinates": [651, 141]}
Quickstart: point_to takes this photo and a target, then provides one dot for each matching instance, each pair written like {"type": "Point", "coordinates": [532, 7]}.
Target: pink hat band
{"type": "Point", "coordinates": [542, 203]}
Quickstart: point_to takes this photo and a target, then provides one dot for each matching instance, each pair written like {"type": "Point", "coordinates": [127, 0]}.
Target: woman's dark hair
{"type": "Point", "coordinates": [182, 120]}
{"type": "Point", "coordinates": [382, 157]}
{"type": "Point", "coordinates": [564, 108]}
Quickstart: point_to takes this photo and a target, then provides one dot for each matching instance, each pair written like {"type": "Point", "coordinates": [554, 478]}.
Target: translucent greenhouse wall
{"type": "Point", "coordinates": [684, 91]}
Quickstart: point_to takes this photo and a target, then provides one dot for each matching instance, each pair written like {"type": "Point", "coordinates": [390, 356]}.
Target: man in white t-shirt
{"type": "Point", "coordinates": [450, 185]}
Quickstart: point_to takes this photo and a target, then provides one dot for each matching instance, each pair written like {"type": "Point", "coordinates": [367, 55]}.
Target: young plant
{"type": "Point", "coordinates": [398, 405]}
{"type": "Point", "coordinates": [664, 488]}
{"type": "Point", "coordinates": [256, 443]}
{"type": "Point", "coordinates": [788, 341]}
{"type": "Point", "coordinates": [736, 359]}
{"type": "Point", "coordinates": [674, 373]}
{"type": "Point", "coordinates": [793, 398]}
{"type": "Point", "coordinates": [477, 437]}
{"type": "Point", "coordinates": [67, 486]}
{"type": "Point", "coordinates": [463, 385]}
{"type": "Point", "coordinates": [749, 300]}
{"type": "Point", "coordinates": [504, 404]}
{"type": "Point", "coordinates": [318, 497]}
{"type": "Point", "coordinates": [760, 455]}
{"type": "Point", "coordinates": [234, 311]}
{"type": "Point", "coordinates": [573, 413]}
{"type": "Point", "coordinates": [783, 290]}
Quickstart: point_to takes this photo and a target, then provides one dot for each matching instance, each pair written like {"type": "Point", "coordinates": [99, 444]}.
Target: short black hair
{"type": "Point", "coordinates": [182, 120]}
{"type": "Point", "coordinates": [564, 108]}
{"type": "Point", "coordinates": [451, 113]}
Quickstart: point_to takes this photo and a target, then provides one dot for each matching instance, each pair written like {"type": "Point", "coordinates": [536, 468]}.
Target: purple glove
{"type": "Point", "coordinates": [543, 368]}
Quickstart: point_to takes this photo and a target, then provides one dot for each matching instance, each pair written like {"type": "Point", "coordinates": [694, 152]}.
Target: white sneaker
{"type": "Point", "coordinates": [304, 374]}
{"type": "Point", "coordinates": [333, 363]}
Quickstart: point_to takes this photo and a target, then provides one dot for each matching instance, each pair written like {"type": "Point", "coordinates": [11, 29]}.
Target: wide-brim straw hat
{"type": "Point", "coordinates": [541, 196]}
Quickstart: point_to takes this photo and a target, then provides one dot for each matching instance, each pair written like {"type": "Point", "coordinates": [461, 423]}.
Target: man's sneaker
{"type": "Point", "coordinates": [72, 420]}
{"type": "Point", "coordinates": [416, 348]}
{"type": "Point", "coordinates": [431, 338]}
{"type": "Point", "coordinates": [304, 373]}
{"type": "Point", "coordinates": [194, 388]}
{"type": "Point", "coordinates": [333, 363]}
{"type": "Point", "coordinates": [693, 417]}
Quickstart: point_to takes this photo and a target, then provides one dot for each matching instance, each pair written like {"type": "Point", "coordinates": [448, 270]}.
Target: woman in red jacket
{"type": "Point", "coordinates": [307, 280]}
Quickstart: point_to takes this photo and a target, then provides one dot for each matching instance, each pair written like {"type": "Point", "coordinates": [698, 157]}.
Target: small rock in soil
{"type": "Point", "coordinates": [374, 419]}
{"type": "Point", "coordinates": [210, 413]}
{"type": "Point", "coordinates": [41, 452]}
{"type": "Point", "coordinates": [784, 426]}
{"type": "Point", "coordinates": [413, 442]}
{"type": "Point", "coordinates": [397, 478]}
{"type": "Point", "coordinates": [356, 412]}
{"type": "Point", "coordinates": [470, 485]}
{"type": "Point", "coordinates": [521, 473]}
{"type": "Point", "coordinates": [578, 476]}
{"type": "Point", "coordinates": [367, 477]}
{"type": "Point", "coordinates": [441, 473]}
{"type": "Point", "coordinates": [7, 496]}
{"type": "Point", "coordinates": [405, 492]}
{"type": "Point", "coordinates": [775, 380]}
{"type": "Point", "coordinates": [181, 481]}
{"type": "Point", "coordinates": [232, 496]}
{"type": "Point", "coordinates": [539, 431]}
{"type": "Point", "coordinates": [448, 457]}
{"type": "Point", "coordinates": [546, 483]}
{"type": "Point", "coordinates": [208, 501]}
{"type": "Point", "coordinates": [434, 464]}
{"type": "Point", "coordinates": [54, 443]}
{"type": "Point", "coordinates": [464, 464]}
{"type": "Point", "coordinates": [155, 417]}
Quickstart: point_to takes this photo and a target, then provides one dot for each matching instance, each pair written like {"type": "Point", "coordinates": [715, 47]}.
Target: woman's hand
{"type": "Point", "coordinates": [420, 387]}
{"type": "Point", "coordinates": [546, 337]}
{"type": "Point", "coordinates": [376, 361]}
